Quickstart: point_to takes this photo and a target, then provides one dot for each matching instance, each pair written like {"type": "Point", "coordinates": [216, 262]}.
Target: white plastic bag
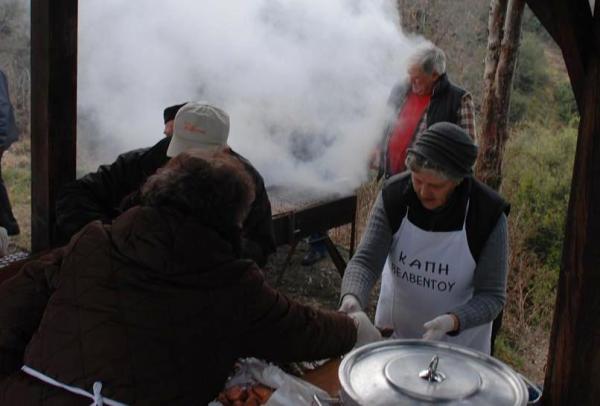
{"type": "Point", "coordinates": [289, 390]}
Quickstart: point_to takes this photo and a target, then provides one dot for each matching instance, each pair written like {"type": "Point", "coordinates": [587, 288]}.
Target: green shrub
{"type": "Point", "coordinates": [504, 350]}
{"type": "Point", "coordinates": [565, 103]}
{"type": "Point", "coordinates": [531, 73]}
{"type": "Point", "coordinates": [519, 103]}
{"type": "Point", "coordinates": [538, 167]}
{"type": "Point", "coordinates": [531, 82]}
{"type": "Point", "coordinates": [537, 180]}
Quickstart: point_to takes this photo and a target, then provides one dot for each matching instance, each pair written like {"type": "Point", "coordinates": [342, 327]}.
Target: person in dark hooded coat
{"type": "Point", "coordinates": [155, 308]}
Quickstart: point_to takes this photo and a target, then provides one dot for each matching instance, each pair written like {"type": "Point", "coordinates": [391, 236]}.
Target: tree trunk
{"type": "Point", "coordinates": [496, 19]}
{"type": "Point", "coordinates": [504, 26]}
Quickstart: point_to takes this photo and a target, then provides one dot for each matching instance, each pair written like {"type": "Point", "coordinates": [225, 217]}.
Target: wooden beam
{"type": "Point", "coordinates": [53, 110]}
{"type": "Point", "coordinates": [570, 24]}
{"type": "Point", "coordinates": [573, 373]}
{"type": "Point", "coordinates": [544, 13]}
{"type": "Point", "coordinates": [573, 370]}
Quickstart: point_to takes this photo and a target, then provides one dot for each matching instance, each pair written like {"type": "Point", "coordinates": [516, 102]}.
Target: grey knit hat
{"type": "Point", "coordinates": [447, 146]}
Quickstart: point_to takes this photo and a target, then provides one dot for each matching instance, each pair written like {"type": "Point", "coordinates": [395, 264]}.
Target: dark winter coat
{"type": "Point", "coordinates": [156, 307]}
{"type": "Point", "coordinates": [111, 190]}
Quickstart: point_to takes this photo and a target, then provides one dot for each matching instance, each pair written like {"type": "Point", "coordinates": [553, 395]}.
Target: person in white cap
{"type": "Point", "coordinates": [114, 188]}
{"type": "Point", "coordinates": [199, 125]}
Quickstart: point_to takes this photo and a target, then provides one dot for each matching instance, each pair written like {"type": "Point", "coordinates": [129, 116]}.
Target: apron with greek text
{"type": "Point", "coordinates": [427, 274]}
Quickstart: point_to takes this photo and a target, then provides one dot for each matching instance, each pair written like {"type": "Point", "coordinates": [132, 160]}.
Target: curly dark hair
{"type": "Point", "coordinates": [214, 188]}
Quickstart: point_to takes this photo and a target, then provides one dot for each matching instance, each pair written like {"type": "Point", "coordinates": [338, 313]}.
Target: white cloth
{"type": "Point", "coordinates": [427, 274]}
{"type": "Point", "coordinates": [96, 394]}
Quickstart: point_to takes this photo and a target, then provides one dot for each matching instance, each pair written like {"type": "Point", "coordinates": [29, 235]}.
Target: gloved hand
{"type": "Point", "coordinates": [366, 332]}
{"type": "Point", "coordinates": [438, 327]}
{"type": "Point", "coordinates": [350, 304]}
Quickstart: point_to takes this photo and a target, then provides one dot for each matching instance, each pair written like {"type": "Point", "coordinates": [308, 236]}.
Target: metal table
{"type": "Point", "coordinates": [299, 213]}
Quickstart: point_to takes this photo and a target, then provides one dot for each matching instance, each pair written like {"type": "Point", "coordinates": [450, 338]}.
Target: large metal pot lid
{"type": "Point", "coordinates": [422, 372]}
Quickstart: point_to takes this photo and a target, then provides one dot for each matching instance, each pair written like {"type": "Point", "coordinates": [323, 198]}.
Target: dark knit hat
{"type": "Point", "coordinates": [447, 146]}
{"type": "Point", "coordinates": [170, 112]}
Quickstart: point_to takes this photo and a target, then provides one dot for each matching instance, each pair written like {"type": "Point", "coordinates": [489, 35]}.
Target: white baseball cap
{"type": "Point", "coordinates": [198, 125]}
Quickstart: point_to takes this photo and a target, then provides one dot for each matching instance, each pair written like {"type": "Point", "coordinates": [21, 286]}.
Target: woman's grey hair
{"type": "Point", "coordinates": [431, 59]}
{"type": "Point", "coordinates": [416, 163]}
{"type": "Point", "coordinates": [215, 188]}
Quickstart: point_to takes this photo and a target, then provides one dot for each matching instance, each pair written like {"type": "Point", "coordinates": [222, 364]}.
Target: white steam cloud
{"type": "Point", "coordinates": [305, 82]}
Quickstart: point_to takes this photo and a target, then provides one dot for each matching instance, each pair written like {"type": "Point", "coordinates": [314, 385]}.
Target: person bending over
{"type": "Point", "coordinates": [439, 236]}
{"type": "Point", "coordinates": [155, 308]}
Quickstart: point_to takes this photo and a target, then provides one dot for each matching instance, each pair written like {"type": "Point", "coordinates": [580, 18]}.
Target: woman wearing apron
{"type": "Point", "coordinates": [438, 237]}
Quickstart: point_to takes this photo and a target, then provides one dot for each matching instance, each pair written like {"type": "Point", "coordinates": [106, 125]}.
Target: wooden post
{"type": "Point", "coordinates": [573, 371]}
{"type": "Point", "coordinates": [53, 110]}
{"type": "Point", "coordinates": [573, 374]}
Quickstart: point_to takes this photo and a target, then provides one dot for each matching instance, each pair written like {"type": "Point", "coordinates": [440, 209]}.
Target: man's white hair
{"type": "Point", "coordinates": [430, 59]}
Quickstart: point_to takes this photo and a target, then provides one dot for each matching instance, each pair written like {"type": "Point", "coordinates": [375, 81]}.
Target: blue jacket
{"type": "Point", "coordinates": [8, 126]}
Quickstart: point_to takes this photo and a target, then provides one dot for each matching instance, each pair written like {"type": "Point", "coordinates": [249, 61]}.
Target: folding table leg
{"type": "Point", "coordinates": [335, 255]}
{"type": "Point", "coordinates": [287, 261]}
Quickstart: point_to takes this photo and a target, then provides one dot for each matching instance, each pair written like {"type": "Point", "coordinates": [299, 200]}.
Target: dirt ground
{"type": "Point", "coordinates": [318, 284]}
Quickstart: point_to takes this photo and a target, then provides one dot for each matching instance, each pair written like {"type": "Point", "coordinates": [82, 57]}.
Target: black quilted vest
{"type": "Point", "coordinates": [485, 208]}
{"type": "Point", "coordinates": [444, 106]}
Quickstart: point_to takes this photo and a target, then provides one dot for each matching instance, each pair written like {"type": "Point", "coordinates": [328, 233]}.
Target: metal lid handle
{"type": "Point", "coordinates": [431, 374]}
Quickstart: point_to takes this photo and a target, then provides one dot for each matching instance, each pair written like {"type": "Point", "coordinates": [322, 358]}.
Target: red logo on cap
{"type": "Point", "coordinates": [192, 128]}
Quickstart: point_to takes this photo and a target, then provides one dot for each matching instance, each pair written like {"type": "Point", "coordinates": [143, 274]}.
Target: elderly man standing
{"type": "Point", "coordinates": [439, 237]}
{"type": "Point", "coordinates": [105, 194]}
{"type": "Point", "coordinates": [427, 97]}
{"type": "Point", "coordinates": [8, 135]}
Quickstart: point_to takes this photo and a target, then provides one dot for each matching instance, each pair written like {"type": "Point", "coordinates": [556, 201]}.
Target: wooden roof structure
{"type": "Point", "coordinates": [573, 373]}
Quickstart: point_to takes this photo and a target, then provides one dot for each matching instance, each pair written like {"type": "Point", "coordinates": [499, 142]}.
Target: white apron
{"type": "Point", "coordinates": [427, 274]}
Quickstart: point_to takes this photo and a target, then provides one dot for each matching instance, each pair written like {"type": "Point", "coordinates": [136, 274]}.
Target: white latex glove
{"type": "Point", "coordinates": [350, 304]}
{"type": "Point", "coordinates": [366, 332]}
{"type": "Point", "coordinates": [438, 327]}
{"type": "Point", "coordinates": [3, 242]}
